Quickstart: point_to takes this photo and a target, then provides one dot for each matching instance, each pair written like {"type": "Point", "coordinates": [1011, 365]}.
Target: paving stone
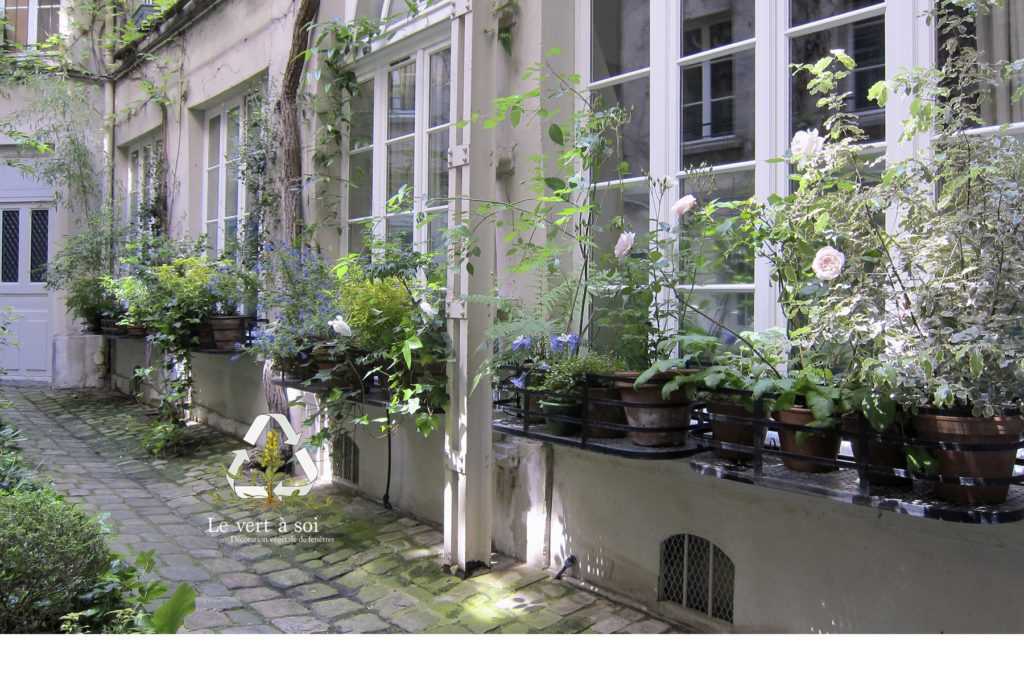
{"type": "Point", "coordinates": [222, 565]}
{"type": "Point", "coordinates": [241, 580]}
{"type": "Point", "coordinates": [312, 591]}
{"type": "Point", "coordinates": [253, 552]}
{"type": "Point", "coordinates": [206, 619]}
{"type": "Point", "coordinates": [329, 609]}
{"type": "Point", "coordinates": [267, 566]}
{"type": "Point", "coordinates": [220, 602]}
{"type": "Point", "coordinates": [248, 595]}
{"type": "Point", "coordinates": [288, 578]}
{"type": "Point", "coordinates": [255, 628]}
{"type": "Point", "coordinates": [647, 626]}
{"type": "Point", "coordinates": [363, 623]}
{"type": "Point", "coordinates": [300, 625]}
{"type": "Point", "coordinates": [244, 617]}
{"type": "Point", "coordinates": [609, 625]}
{"type": "Point", "coordinates": [280, 607]}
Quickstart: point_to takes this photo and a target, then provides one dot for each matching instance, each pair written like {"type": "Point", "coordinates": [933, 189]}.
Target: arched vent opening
{"type": "Point", "coordinates": [696, 574]}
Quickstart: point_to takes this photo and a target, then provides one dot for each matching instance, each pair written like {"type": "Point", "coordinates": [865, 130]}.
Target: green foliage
{"type": "Point", "coordinates": [53, 554]}
{"type": "Point", "coordinates": [167, 436]}
{"type": "Point", "coordinates": [567, 375]}
{"type": "Point", "coordinates": [171, 615]}
{"type": "Point", "coordinates": [80, 266]}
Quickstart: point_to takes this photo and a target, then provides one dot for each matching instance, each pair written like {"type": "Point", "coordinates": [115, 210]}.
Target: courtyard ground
{"type": "Point", "coordinates": [360, 568]}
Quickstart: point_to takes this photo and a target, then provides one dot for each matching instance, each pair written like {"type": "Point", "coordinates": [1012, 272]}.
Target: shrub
{"type": "Point", "coordinates": [53, 553]}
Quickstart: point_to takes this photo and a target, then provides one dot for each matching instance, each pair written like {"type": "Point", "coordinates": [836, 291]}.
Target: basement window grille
{"type": "Point", "coordinates": [696, 574]}
{"type": "Point", "coordinates": [345, 454]}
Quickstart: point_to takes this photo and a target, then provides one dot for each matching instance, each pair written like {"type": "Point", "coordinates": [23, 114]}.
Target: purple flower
{"type": "Point", "coordinates": [565, 342]}
{"type": "Point", "coordinates": [522, 343]}
{"type": "Point", "coordinates": [519, 382]}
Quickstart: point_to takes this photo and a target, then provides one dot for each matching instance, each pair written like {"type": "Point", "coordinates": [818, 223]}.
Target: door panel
{"type": "Point", "coordinates": [24, 248]}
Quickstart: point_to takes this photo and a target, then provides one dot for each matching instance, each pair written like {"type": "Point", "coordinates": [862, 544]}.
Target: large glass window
{"type": "Point", "coordinates": [223, 188]}
{"type": "Point", "coordinates": [30, 21]}
{"type": "Point", "coordinates": [862, 37]}
{"type": "Point", "coordinates": [145, 161]}
{"type": "Point", "coordinates": [401, 150]}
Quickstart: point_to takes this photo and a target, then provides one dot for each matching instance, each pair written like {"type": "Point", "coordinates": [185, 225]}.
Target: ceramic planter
{"type": "Point", "coordinates": [555, 409]}
{"type": "Point", "coordinates": [822, 446]}
{"type": "Point", "coordinates": [227, 332]}
{"type": "Point", "coordinates": [995, 464]}
{"type": "Point", "coordinates": [877, 453]}
{"type": "Point", "coordinates": [604, 413]}
{"type": "Point", "coordinates": [732, 432]}
{"type": "Point", "coordinates": [651, 410]}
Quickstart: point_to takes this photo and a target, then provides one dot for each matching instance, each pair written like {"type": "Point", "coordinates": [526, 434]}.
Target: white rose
{"type": "Point", "coordinates": [427, 309]}
{"type": "Point", "coordinates": [625, 244]}
{"type": "Point", "coordinates": [681, 207]}
{"type": "Point", "coordinates": [806, 145]}
{"type": "Point", "coordinates": [828, 263]}
{"type": "Point", "coordinates": [340, 327]}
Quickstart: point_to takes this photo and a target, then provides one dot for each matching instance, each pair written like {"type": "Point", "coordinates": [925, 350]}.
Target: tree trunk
{"type": "Point", "coordinates": [290, 175]}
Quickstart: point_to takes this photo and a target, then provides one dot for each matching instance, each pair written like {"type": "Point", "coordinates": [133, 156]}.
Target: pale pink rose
{"type": "Point", "coordinates": [684, 205]}
{"type": "Point", "coordinates": [828, 263]}
{"type": "Point", "coordinates": [625, 244]}
{"type": "Point", "coordinates": [806, 145]}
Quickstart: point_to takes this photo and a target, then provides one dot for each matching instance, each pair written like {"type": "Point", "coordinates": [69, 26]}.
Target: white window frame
{"type": "Point", "coordinates": [24, 284]}
{"type": "Point", "coordinates": [378, 71]}
{"type": "Point", "coordinates": [909, 42]}
{"type": "Point", "coordinates": [217, 242]}
{"type": "Point", "coordinates": [33, 17]}
{"type": "Point", "coordinates": [142, 182]}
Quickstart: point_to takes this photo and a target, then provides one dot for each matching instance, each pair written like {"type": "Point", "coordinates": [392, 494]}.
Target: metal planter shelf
{"type": "Point", "coordinates": [761, 464]}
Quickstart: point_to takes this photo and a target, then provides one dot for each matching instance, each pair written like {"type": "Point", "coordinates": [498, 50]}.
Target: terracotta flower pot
{"type": "Point", "coordinates": [732, 432]}
{"type": "Point", "coordinates": [879, 454]}
{"type": "Point", "coordinates": [553, 410]}
{"type": "Point", "coordinates": [604, 413]}
{"type": "Point", "coordinates": [822, 446]}
{"type": "Point", "coordinates": [651, 410]}
{"type": "Point", "coordinates": [997, 464]}
{"type": "Point", "coordinates": [229, 331]}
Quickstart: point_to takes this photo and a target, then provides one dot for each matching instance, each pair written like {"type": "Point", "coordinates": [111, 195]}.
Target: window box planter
{"type": "Point", "coordinates": [225, 332]}
{"type": "Point", "coordinates": [732, 432]}
{"type": "Point", "coordinates": [991, 462]}
{"type": "Point", "coordinates": [647, 409]}
{"type": "Point", "coordinates": [817, 450]}
{"type": "Point", "coordinates": [875, 451]}
{"type": "Point", "coordinates": [556, 408]}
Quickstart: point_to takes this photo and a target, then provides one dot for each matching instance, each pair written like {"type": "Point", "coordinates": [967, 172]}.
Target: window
{"type": "Point", "coordinates": [697, 575]}
{"type": "Point", "coordinates": [145, 166]}
{"type": "Point", "coordinates": [399, 136]}
{"type": "Point", "coordinates": [30, 21]}
{"type": "Point", "coordinates": [24, 245]}
{"type": "Point", "coordinates": [224, 196]}
{"type": "Point", "coordinates": [861, 33]}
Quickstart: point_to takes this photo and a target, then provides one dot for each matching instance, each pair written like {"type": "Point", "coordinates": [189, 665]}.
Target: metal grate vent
{"type": "Point", "coordinates": [9, 247]}
{"type": "Point", "coordinates": [40, 245]}
{"type": "Point", "coordinates": [345, 455]}
{"type": "Point", "coordinates": [697, 575]}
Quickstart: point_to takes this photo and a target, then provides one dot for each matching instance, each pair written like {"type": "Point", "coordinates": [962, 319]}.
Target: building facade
{"type": "Point", "coordinates": [709, 83]}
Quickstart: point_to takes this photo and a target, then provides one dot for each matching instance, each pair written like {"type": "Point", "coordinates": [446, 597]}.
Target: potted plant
{"type": "Point", "coordinates": [132, 295]}
{"type": "Point", "coordinates": [233, 288]}
{"type": "Point", "coordinates": [564, 384]}
{"type": "Point", "coordinates": [740, 368]}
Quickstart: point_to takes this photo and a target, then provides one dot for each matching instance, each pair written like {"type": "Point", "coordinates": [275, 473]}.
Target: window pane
{"type": "Point", "coordinates": [620, 37]}
{"type": "Point", "coordinates": [400, 229]}
{"type": "Point", "coordinates": [440, 88]}
{"type": "Point", "coordinates": [9, 247]}
{"type": "Point", "coordinates": [438, 167]}
{"type": "Point", "coordinates": [402, 100]}
{"type": "Point", "coordinates": [804, 11]}
{"type": "Point", "coordinates": [360, 184]}
{"type": "Point", "coordinates": [234, 133]}
{"type": "Point", "coordinates": [633, 146]}
{"type": "Point", "coordinates": [231, 236]}
{"type": "Point", "coordinates": [213, 149]}
{"type": "Point", "coordinates": [865, 42]}
{"type": "Point", "coordinates": [710, 255]}
{"type": "Point", "coordinates": [356, 241]}
{"type": "Point", "coordinates": [48, 19]}
{"type": "Point", "coordinates": [622, 209]}
{"type": "Point", "coordinates": [715, 128]}
{"type": "Point", "coordinates": [708, 25]}
{"type": "Point", "coordinates": [361, 126]}
{"type": "Point", "coordinates": [231, 189]}
{"type": "Point", "coordinates": [437, 234]}
{"type": "Point", "coordinates": [16, 13]}
{"type": "Point", "coordinates": [212, 194]}
{"type": "Point", "coordinates": [999, 37]}
{"type": "Point", "coordinates": [400, 165]}
{"type": "Point", "coordinates": [40, 245]}
{"type": "Point", "coordinates": [734, 310]}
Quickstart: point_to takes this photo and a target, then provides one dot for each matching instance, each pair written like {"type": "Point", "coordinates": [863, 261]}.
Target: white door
{"type": "Point", "coordinates": [24, 251]}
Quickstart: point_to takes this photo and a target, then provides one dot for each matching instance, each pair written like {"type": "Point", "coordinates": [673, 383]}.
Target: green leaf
{"type": "Point", "coordinates": [554, 183]}
{"type": "Point", "coordinates": [822, 407]}
{"type": "Point", "coordinates": [170, 616]}
{"type": "Point", "coordinates": [556, 134]}
{"type": "Point", "coordinates": [879, 93]}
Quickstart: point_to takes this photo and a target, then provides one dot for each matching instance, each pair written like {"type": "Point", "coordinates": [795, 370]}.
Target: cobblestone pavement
{"type": "Point", "coordinates": [377, 572]}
